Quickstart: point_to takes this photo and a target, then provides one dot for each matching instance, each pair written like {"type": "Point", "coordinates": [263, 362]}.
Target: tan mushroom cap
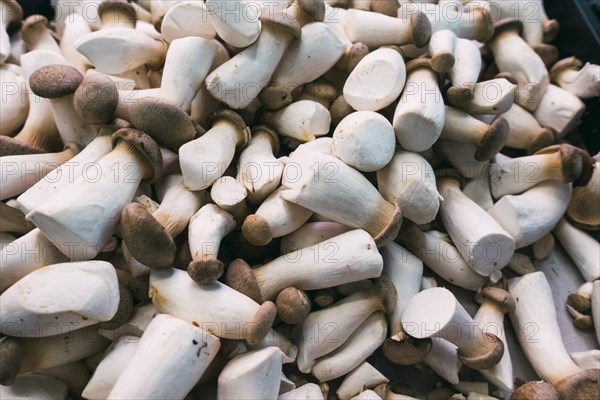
{"type": "Point", "coordinates": [490, 354]}
{"type": "Point", "coordinates": [96, 99]}
{"type": "Point", "coordinates": [579, 302]}
{"type": "Point", "coordinates": [147, 240]}
{"type": "Point", "coordinates": [16, 11]}
{"type": "Point", "coordinates": [314, 8]}
{"type": "Point", "coordinates": [256, 230]}
{"type": "Point", "coordinates": [408, 351]}
{"type": "Point", "coordinates": [500, 297]}
{"type": "Point", "coordinates": [124, 310]}
{"type": "Point", "coordinates": [166, 123]}
{"type": "Point", "coordinates": [385, 7]}
{"type": "Point", "coordinates": [443, 62]}
{"type": "Point", "coordinates": [240, 277]}
{"type": "Point", "coordinates": [205, 271]}
{"type": "Point", "coordinates": [536, 390]}
{"type": "Point", "coordinates": [12, 147]}
{"type": "Point", "coordinates": [145, 150]}
{"type": "Point", "coordinates": [420, 29]}
{"type": "Point", "coordinates": [55, 81]}
{"type": "Point", "coordinates": [544, 138]}
{"type": "Point", "coordinates": [293, 305]}
{"type": "Point", "coordinates": [121, 7]}
{"type": "Point", "coordinates": [493, 140]}
{"type": "Point", "coordinates": [580, 386]}
{"type": "Point", "coordinates": [566, 63]}
{"type": "Point", "coordinates": [11, 355]}
{"type": "Point", "coordinates": [449, 174]}
{"type": "Point", "coordinates": [387, 291]}
{"type": "Point", "coordinates": [261, 322]}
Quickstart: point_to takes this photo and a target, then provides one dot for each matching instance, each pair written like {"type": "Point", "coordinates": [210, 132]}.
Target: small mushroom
{"type": "Point", "coordinates": [238, 81]}
{"type": "Point", "coordinates": [149, 236]}
{"type": "Point", "coordinates": [441, 49]}
{"type": "Point", "coordinates": [149, 372]}
{"type": "Point", "coordinates": [10, 11]}
{"type": "Point", "coordinates": [559, 110]}
{"type": "Point", "coordinates": [364, 140]}
{"type": "Point", "coordinates": [214, 307]}
{"type": "Point", "coordinates": [482, 241]}
{"type": "Point", "coordinates": [524, 132]}
{"type": "Point", "coordinates": [207, 228]}
{"type": "Point", "coordinates": [363, 376]}
{"type": "Point", "coordinates": [204, 160]}
{"type": "Point", "coordinates": [82, 216]}
{"type": "Point", "coordinates": [419, 116]}
{"type": "Point", "coordinates": [331, 188]}
{"type": "Point", "coordinates": [584, 208]}
{"type": "Point", "coordinates": [535, 307]}
{"type": "Point", "coordinates": [464, 72]}
{"type": "Point", "coordinates": [581, 80]}
{"type": "Point", "coordinates": [376, 81]}
{"type": "Point", "coordinates": [303, 120]}
{"type": "Point", "coordinates": [583, 249]}
{"type": "Point", "coordinates": [436, 312]}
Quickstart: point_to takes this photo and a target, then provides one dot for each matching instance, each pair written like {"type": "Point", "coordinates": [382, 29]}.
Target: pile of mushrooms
{"type": "Point", "coordinates": [247, 199]}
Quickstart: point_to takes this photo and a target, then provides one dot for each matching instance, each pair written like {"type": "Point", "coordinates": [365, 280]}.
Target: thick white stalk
{"type": "Point", "coordinates": [583, 249]}
{"type": "Point", "coordinates": [365, 375]}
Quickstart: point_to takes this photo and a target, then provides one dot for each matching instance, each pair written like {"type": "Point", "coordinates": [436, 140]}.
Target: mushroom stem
{"type": "Point", "coordinates": [37, 35]}
{"type": "Point", "coordinates": [10, 11]}
{"type": "Point", "coordinates": [15, 102]}
{"type": "Point", "coordinates": [491, 97]}
{"type": "Point", "coordinates": [274, 338]}
{"type": "Point", "coordinates": [76, 26]}
{"type": "Point", "coordinates": [363, 376]}
{"type": "Point", "coordinates": [235, 31]}
{"type": "Point", "coordinates": [12, 219]}
{"type": "Point", "coordinates": [583, 82]}
{"type": "Point", "coordinates": [149, 373]}
{"type": "Point", "coordinates": [535, 310]}
{"type": "Point", "coordinates": [524, 132]}
{"type": "Point", "coordinates": [465, 72]}
{"type": "Point", "coordinates": [207, 228]}
{"type": "Point", "coordinates": [596, 308]}
{"type": "Point", "coordinates": [436, 312]}
{"type": "Point", "coordinates": [310, 234]}
{"type": "Point", "coordinates": [462, 157]}
{"type": "Point", "coordinates": [559, 110]}
{"type": "Point", "coordinates": [441, 49]}
{"type": "Point", "coordinates": [586, 359]}
{"type": "Point", "coordinates": [443, 359]}
{"type": "Point", "coordinates": [583, 249]}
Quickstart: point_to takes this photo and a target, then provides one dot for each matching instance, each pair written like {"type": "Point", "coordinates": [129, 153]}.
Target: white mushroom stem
{"type": "Point", "coordinates": [130, 264]}
{"type": "Point", "coordinates": [532, 16]}
{"type": "Point", "coordinates": [214, 307]}
{"type": "Point", "coordinates": [72, 128]}
{"type": "Point", "coordinates": [229, 194]}
{"type": "Point", "coordinates": [419, 116]}
{"type": "Point", "coordinates": [20, 172]}
{"type": "Point", "coordinates": [465, 72]}
{"type": "Point", "coordinates": [113, 363]}
{"type": "Point", "coordinates": [583, 83]}
{"type": "Point", "coordinates": [238, 82]}
{"type": "Point", "coordinates": [207, 228]}
{"type": "Point", "coordinates": [258, 169]}
{"type": "Point", "coordinates": [309, 391]}
{"type": "Point", "coordinates": [80, 294]}
{"type": "Point", "coordinates": [136, 325]}
{"type": "Point", "coordinates": [494, 96]}
{"type": "Point", "coordinates": [309, 57]}
{"type": "Point", "coordinates": [9, 11]}
{"type": "Point", "coordinates": [441, 49]}
{"type": "Point", "coordinates": [42, 387]}
{"type": "Point", "coordinates": [178, 205]}
{"type": "Point", "coordinates": [524, 130]}
{"type": "Point", "coordinates": [310, 234]}
{"type": "Point", "coordinates": [583, 249]}
{"type": "Point", "coordinates": [478, 190]}
{"type": "Point", "coordinates": [15, 102]}
{"type": "Point", "coordinates": [522, 217]}
{"type": "Point", "coordinates": [329, 187]}
{"type": "Point", "coordinates": [122, 50]}
{"type": "Point", "coordinates": [37, 35]}
{"type": "Point", "coordinates": [443, 359]}
{"type": "Point", "coordinates": [25, 255]}
{"type": "Point", "coordinates": [365, 375]}
{"type": "Point", "coordinates": [204, 160]}
{"type": "Point", "coordinates": [349, 257]}
{"type": "Point", "coordinates": [586, 359]}
{"type": "Point", "coordinates": [405, 271]}
{"type": "Point", "coordinates": [462, 157]}
{"type": "Point", "coordinates": [288, 349]}
{"type": "Point", "coordinates": [303, 120]}
{"type": "Point", "coordinates": [166, 368]}
{"type": "Point", "coordinates": [596, 308]}
{"type": "Point", "coordinates": [409, 180]}
{"type": "Point", "coordinates": [226, 18]}
{"type": "Point", "coordinates": [367, 395]}
{"type": "Point", "coordinates": [181, 20]}
{"type": "Point", "coordinates": [443, 258]}
{"type": "Point", "coordinates": [356, 349]}
{"type": "Point", "coordinates": [76, 26]}
{"type": "Point", "coordinates": [480, 239]}
{"type": "Point", "coordinates": [537, 328]}
{"type": "Point", "coordinates": [252, 375]}
{"type": "Point", "coordinates": [187, 64]}
{"type": "Point", "coordinates": [528, 69]}
{"type": "Point", "coordinates": [81, 164]}
{"type": "Point", "coordinates": [559, 110]}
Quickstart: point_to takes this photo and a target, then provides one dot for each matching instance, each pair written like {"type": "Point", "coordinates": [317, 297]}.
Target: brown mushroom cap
{"type": "Point", "coordinates": [547, 52]}
{"type": "Point", "coordinates": [11, 355]}
{"type": "Point", "coordinates": [320, 91]}
{"type": "Point", "coordinates": [443, 62]}
{"type": "Point", "coordinates": [421, 62]}
{"type": "Point", "coordinates": [240, 277]}
{"type": "Point", "coordinates": [506, 25]}
{"type": "Point", "coordinates": [256, 230]}
{"type": "Point", "coordinates": [275, 97]}
{"type": "Point", "coordinates": [408, 351]}
{"type": "Point", "coordinates": [460, 94]}
{"type": "Point", "coordinates": [490, 355]}
{"type": "Point", "coordinates": [583, 385]}
{"type": "Point", "coordinates": [147, 240]}
{"type": "Point", "coordinates": [339, 110]}
{"type": "Point", "coordinates": [551, 29]}
{"type": "Point", "coordinates": [121, 7]}
{"type": "Point", "coordinates": [15, 13]}
{"type": "Point", "coordinates": [579, 302]}
{"type": "Point", "coordinates": [493, 140]}
{"type": "Point", "coordinates": [205, 271]}
{"type": "Point", "coordinates": [535, 390]}
{"type": "Point", "coordinates": [293, 305]}
{"type": "Point", "coordinates": [420, 29]}
{"type": "Point", "coordinates": [96, 99]}
{"type": "Point", "coordinates": [281, 18]}
{"type": "Point", "coordinates": [564, 64]}
{"type": "Point", "coordinates": [169, 125]}
{"type": "Point", "coordinates": [261, 322]}
{"type": "Point", "coordinates": [387, 291]}
{"type": "Point", "coordinates": [144, 148]}
{"type": "Point", "coordinates": [357, 52]}
{"type": "Point", "coordinates": [123, 311]}
{"type": "Point", "coordinates": [500, 297]}
{"type": "Point", "coordinates": [12, 147]}
{"type": "Point", "coordinates": [449, 174]}
{"type": "Point", "coordinates": [544, 138]}
{"type": "Point", "coordinates": [441, 393]}
{"type": "Point", "coordinates": [55, 80]}
{"type": "Point", "coordinates": [138, 287]}
{"type": "Point", "coordinates": [324, 297]}
{"type": "Point", "coordinates": [571, 160]}
{"type": "Point", "coordinates": [385, 7]}
{"type": "Point", "coordinates": [314, 8]}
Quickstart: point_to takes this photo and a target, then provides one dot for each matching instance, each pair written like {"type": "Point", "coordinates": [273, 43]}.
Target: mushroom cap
{"type": "Point", "coordinates": [324, 297]}
{"type": "Point", "coordinates": [240, 277]}
{"type": "Point", "coordinates": [234, 118]}
{"type": "Point", "coordinates": [273, 136]}
{"type": "Point", "coordinates": [138, 287]}
{"type": "Point", "coordinates": [320, 91]}
{"type": "Point", "coordinates": [166, 123]}
{"type": "Point", "coordinates": [535, 390]}
{"type": "Point", "coordinates": [390, 231]}
{"type": "Point", "coordinates": [420, 29]}
{"type": "Point", "coordinates": [443, 62]}
{"type": "Point", "coordinates": [55, 80]}
{"type": "Point", "coordinates": [492, 353]}
{"type": "Point", "coordinates": [507, 24]}
{"type": "Point", "coordinates": [551, 28]}
{"type": "Point", "coordinates": [408, 351]}
{"type": "Point", "coordinates": [146, 150]}
{"type": "Point", "coordinates": [460, 94]}
{"type": "Point", "coordinates": [441, 393]}
{"type": "Point", "coordinates": [281, 18]}
{"type": "Point", "coordinates": [387, 291]}
{"type": "Point", "coordinates": [147, 240]}
{"type": "Point", "coordinates": [16, 11]}
{"type": "Point", "coordinates": [119, 6]}
{"type": "Point", "coordinates": [12, 147]}
{"type": "Point", "coordinates": [96, 99]}
{"type": "Point", "coordinates": [571, 159]}
{"type": "Point", "coordinates": [293, 305]}
{"type": "Point", "coordinates": [451, 174]}
{"type": "Point", "coordinates": [314, 8]}
{"type": "Point", "coordinates": [123, 311]}
{"type": "Point", "coordinates": [357, 52]}
{"type": "Point", "coordinates": [493, 140]}
{"type": "Point", "coordinates": [261, 321]}
{"type": "Point", "coordinates": [11, 355]}
{"type": "Point", "coordinates": [256, 230]}
{"type": "Point", "coordinates": [547, 52]}
{"type": "Point", "coordinates": [275, 97]}
{"type": "Point", "coordinates": [579, 302]}
{"type": "Point", "coordinates": [564, 64]}
{"type": "Point", "coordinates": [416, 63]}
{"type": "Point", "coordinates": [205, 271]}
{"type": "Point", "coordinates": [544, 138]}
{"type": "Point", "coordinates": [580, 386]}
{"type": "Point", "coordinates": [385, 7]}
{"type": "Point", "coordinates": [500, 297]}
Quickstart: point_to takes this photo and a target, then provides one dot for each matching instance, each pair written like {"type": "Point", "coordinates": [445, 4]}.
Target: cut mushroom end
{"type": "Point", "coordinates": [408, 351]}
{"type": "Point", "coordinates": [240, 277]}
{"type": "Point", "coordinates": [205, 271]}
